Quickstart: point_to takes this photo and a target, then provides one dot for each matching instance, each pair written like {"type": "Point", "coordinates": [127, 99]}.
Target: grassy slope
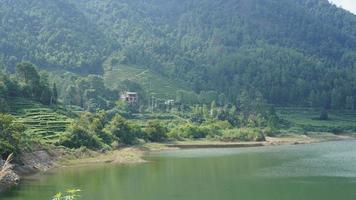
{"type": "Point", "coordinates": [157, 85]}
{"type": "Point", "coordinates": [43, 122]}
{"type": "Point", "coordinates": [305, 120]}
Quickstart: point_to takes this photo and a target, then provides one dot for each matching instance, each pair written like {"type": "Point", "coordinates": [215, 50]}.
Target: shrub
{"type": "Point", "coordinates": [189, 131]}
{"type": "Point", "coordinates": [96, 126]}
{"type": "Point", "coordinates": [155, 131]}
{"type": "Point", "coordinates": [78, 136]}
{"type": "Point", "coordinates": [221, 125]}
{"type": "Point", "coordinates": [215, 128]}
{"type": "Point", "coordinates": [122, 130]}
{"type": "Point", "coordinates": [69, 195]}
{"type": "Point", "coordinates": [10, 135]}
{"type": "Point", "coordinates": [243, 134]}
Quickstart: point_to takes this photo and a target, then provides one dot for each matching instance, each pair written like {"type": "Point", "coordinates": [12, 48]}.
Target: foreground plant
{"type": "Point", "coordinates": [6, 167]}
{"type": "Point", "coordinates": [72, 194]}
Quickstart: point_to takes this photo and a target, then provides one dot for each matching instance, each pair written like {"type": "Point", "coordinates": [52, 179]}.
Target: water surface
{"type": "Point", "coordinates": [303, 172]}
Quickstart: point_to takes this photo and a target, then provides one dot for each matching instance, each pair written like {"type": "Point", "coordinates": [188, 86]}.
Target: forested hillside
{"type": "Point", "coordinates": [52, 34]}
{"type": "Point", "coordinates": [293, 52]}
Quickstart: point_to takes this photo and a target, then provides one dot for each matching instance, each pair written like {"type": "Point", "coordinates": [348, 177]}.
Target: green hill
{"type": "Point", "coordinates": [293, 52]}
{"type": "Point", "coordinates": [50, 33]}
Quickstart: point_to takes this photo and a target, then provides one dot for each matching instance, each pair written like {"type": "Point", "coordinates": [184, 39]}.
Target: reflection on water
{"type": "Point", "coordinates": [319, 171]}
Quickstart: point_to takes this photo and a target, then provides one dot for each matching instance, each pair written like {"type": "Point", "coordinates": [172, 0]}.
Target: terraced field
{"type": "Point", "coordinates": [306, 120]}
{"type": "Point", "coordinates": [156, 85]}
{"type": "Point", "coordinates": [43, 122]}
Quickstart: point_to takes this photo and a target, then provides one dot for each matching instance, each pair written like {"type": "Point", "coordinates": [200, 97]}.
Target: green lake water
{"type": "Point", "coordinates": [325, 171]}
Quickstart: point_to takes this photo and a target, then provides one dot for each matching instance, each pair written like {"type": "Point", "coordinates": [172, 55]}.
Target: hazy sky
{"type": "Point", "coordinates": [346, 4]}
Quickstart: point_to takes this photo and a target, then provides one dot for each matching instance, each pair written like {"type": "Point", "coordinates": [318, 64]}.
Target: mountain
{"type": "Point", "coordinates": [50, 33]}
{"type": "Point", "coordinates": [293, 52]}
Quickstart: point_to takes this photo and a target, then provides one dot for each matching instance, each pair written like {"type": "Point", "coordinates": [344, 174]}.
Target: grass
{"type": "Point", "coordinates": [42, 122]}
{"type": "Point", "coordinates": [156, 84]}
{"type": "Point", "coordinates": [306, 120]}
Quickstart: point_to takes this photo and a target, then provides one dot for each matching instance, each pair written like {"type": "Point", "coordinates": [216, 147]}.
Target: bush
{"type": "Point", "coordinates": [155, 131]}
{"type": "Point", "coordinates": [189, 131]}
{"type": "Point", "coordinates": [10, 135]}
{"type": "Point", "coordinates": [78, 137]}
{"type": "Point", "coordinates": [72, 194]}
{"type": "Point", "coordinates": [122, 130]}
{"type": "Point", "coordinates": [243, 134]}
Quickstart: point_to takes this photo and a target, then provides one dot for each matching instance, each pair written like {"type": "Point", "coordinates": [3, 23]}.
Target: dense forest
{"type": "Point", "coordinates": [292, 52]}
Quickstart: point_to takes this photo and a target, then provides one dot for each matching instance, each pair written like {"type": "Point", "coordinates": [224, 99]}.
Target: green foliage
{"type": "Point", "coordinates": [156, 132]}
{"type": "Point", "coordinates": [208, 50]}
{"type": "Point", "coordinates": [122, 130]}
{"type": "Point", "coordinates": [78, 137]}
{"type": "Point", "coordinates": [10, 135]}
{"type": "Point", "coordinates": [65, 39]}
{"type": "Point", "coordinates": [153, 83]}
{"type": "Point", "coordinates": [87, 92]}
{"type": "Point", "coordinates": [243, 134]}
{"type": "Point", "coordinates": [54, 99]}
{"type": "Point", "coordinates": [188, 131]}
{"type": "Point", "coordinates": [28, 83]}
{"type": "Point", "coordinates": [324, 115]}
{"type": "Point", "coordinates": [303, 120]}
{"type": "Point", "coordinates": [286, 61]}
{"type": "Point", "coordinates": [88, 131]}
{"type": "Point", "coordinates": [45, 123]}
{"type": "Point", "coordinates": [72, 194]}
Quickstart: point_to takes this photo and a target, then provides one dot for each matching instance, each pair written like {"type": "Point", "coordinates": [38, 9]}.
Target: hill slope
{"type": "Point", "coordinates": [50, 33]}
{"type": "Point", "coordinates": [294, 52]}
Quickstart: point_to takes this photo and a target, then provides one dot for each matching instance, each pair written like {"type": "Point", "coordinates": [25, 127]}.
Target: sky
{"type": "Point", "coordinates": [346, 4]}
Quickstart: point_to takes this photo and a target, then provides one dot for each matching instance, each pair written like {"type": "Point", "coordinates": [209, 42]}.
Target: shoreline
{"type": "Point", "coordinates": [42, 161]}
{"type": "Point", "coordinates": [134, 154]}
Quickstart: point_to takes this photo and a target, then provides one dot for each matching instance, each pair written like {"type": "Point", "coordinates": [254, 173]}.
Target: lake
{"type": "Point", "coordinates": [297, 172]}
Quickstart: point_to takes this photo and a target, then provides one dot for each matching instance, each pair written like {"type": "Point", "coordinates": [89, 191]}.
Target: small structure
{"type": "Point", "coordinates": [169, 102]}
{"type": "Point", "coordinates": [129, 97]}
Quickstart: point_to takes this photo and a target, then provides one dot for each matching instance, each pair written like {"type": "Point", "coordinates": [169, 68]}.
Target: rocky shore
{"type": "Point", "coordinates": [27, 163]}
{"type": "Point", "coordinates": [8, 177]}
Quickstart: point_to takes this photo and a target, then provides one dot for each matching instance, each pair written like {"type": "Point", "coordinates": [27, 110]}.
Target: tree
{"type": "Point", "coordinates": [350, 103]}
{"type": "Point", "coordinates": [46, 96]}
{"type": "Point", "coordinates": [337, 99]}
{"type": "Point", "coordinates": [213, 110]}
{"type": "Point", "coordinates": [4, 107]}
{"type": "Point", "coordinates": [27, 73]}
{"type": "Point", "coordinates": [222, 99]}
{"type": "Point", "coordinates": [54, 94]}
{"type": "Point", "coordinates": [197, 115]}
{"type": "Point", "coordinates": [28, 76]}
{"type": "Point", "coordinates": [324, 115]}
{"type": "Point", "coordinates": [155, 131]}
{"type": "Point", "coordinates": [10, 135]}
{"type": "Point", "coordinates": [273, 119]}
{"type": "Point", "coordinates": [121, 129]}
{"type": "Point", "coordinates": [314, 99]}
{"type": "Point", "coordinates": [79, 136]}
